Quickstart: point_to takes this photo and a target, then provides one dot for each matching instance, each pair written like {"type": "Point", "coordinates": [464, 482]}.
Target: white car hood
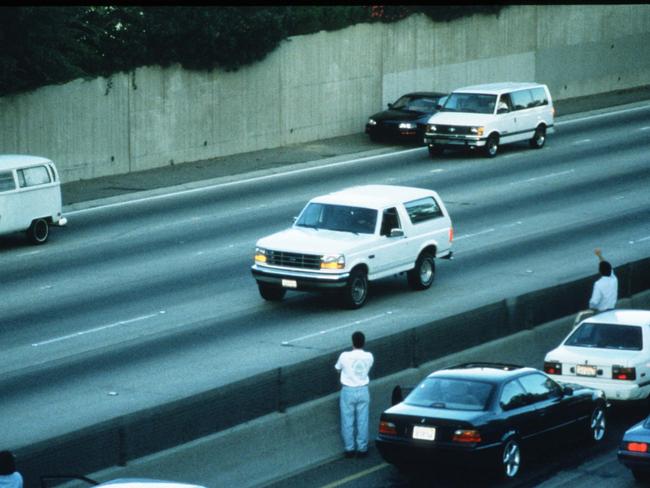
{"type": "Point", "coordinates": [306, 240]}
{"type": "Point", "coordinates": [461, 118]}
{"type": "Point", "coordinates": [596, 356]}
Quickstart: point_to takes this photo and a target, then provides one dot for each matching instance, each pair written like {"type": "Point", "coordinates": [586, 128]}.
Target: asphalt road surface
{"type": "Point", "coordinates": [149, 300]}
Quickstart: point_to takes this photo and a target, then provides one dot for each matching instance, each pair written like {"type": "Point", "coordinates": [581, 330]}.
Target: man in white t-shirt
{"type": "Point", "coordinates": [354, 402]}
{"type": "Point", "coordinates": [605, 292]}
{"type": "Point", "coordinates": [9, 477]}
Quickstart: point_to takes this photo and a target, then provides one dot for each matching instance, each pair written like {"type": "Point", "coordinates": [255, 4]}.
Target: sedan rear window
{"type": "Point", "coordinates": [607, 336]}
{"type": "Point", "coordinates": [451, 393]}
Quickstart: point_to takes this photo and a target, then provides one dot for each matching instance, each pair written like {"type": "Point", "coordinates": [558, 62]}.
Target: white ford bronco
{"type": "Point", "coordinates": [343, 240]}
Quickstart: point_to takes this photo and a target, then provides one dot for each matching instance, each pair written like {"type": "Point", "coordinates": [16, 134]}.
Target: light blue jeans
{"type": "Point", "coordinates": [354, 403]}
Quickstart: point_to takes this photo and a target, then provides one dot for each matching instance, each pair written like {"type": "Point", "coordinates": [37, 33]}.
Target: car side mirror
{"type": "Point", "coordinates": [503, 111]}
{"type": "Point", "coordinates": [295, 219]}
{"type": "Point", "coordinates": [438, 106]}
{"type": "Point", "coordinates": [396, 233]}
{"type": "Point", "coordinates": [567, 391]}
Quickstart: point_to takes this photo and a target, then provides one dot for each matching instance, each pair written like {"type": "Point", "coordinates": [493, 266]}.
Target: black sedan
{"type": "Point", "coordinates": [406, 119]}
{"type": "Point", "coordinates": [634, 451]}
{"type": "Point", "coordinates": [482, 414]}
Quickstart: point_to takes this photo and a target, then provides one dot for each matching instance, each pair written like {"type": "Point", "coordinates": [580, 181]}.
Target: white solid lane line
{"type": "Point", "coordinates": [97, 329]}
{"type": "Point", "coordinates": [543, 177]}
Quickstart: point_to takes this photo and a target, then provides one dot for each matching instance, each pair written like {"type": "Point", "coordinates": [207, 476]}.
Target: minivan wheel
{"type": "Point", "coordinates": [539, 138]}
{"type": "Point", "coordinates": [511, 458]}
{"type": "Point", "coordinates": [491, 146]}
{"type": "Point", "coordinates": [273, 293]}
{"type": "Point", "coordinates": [354, 294]}
{"type": "Point", "coordinates": [422, 275]}
{"type": "Point", "coordinates": [38, 231]}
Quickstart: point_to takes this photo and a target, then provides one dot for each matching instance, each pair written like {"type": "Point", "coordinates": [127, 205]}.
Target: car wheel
{"type": "Point", "coordinates": [272, 293]}
{"type": "Point", "coordinates": [356, 290]}
{"type": "Point", "coordinates": [597, 424]}
{"type": "Point", "coordinates": [492, 146]}
{"type": "Point", "coordinates": [38, 231]}
{"type": "Point", "coordinates": [435, 151]}
{"type": "Point", "coordinates": [510, 458]}
{"type": "Point", "coordinates": [539, 138]}
{"type": "Point", "coordinates": [422, 275]}
{"type": "Point", "coordinates": [642, 476]}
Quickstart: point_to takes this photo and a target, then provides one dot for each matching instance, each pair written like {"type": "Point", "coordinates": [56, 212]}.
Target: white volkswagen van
{"type": "Point", "coordinates": [486, 116]}
{"type": "Point", "coordinates": [30, 196]}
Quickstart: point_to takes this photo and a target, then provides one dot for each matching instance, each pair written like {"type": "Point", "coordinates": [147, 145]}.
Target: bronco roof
{"type": "Point", "coordinates": [374, 196]}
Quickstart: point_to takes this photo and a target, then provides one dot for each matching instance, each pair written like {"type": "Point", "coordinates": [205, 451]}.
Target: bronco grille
{"type": "Point", "coordinates": [293, 260]}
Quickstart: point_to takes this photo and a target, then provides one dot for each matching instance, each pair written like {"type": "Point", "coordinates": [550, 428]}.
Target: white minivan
{"type": "Point", "coordinates": [486, 116]}
{"type": "Point", "coordinates": [30, 196]}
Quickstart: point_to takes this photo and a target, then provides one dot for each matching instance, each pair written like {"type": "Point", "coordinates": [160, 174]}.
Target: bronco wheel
{"type": "Point", "coordinates": [492, 146]}
{"type": "Point", "coordinates": [356, 291]}
{"type": "Point", "coordinates": [511, 458]}
{"type": "Point", "coordinates": [422, 275]}
{"type": "Point", "coordinates": [539, 138]}
{"type": "Point", "coordinates": [272, 293]}
{"type": "Point", "coordinates": [38, 231]}
{"type": "Point", "coordinates": [597, 425]}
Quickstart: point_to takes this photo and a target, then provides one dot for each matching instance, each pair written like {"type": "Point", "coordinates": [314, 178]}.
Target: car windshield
{"type": "Point", "coordinates": [451, 393]}
{"type": "Point", "coordinates": [606, 336]}
{"type": "Point", "coordinates": [416, 104]}
{"type": "Point", "coordinates": [470, 102]}
{"type": "Point", "coordinates": [342, 218]}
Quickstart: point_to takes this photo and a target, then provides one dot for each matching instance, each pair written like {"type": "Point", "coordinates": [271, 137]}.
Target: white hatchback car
{"type": "Point", "coordinates": [609, 351]}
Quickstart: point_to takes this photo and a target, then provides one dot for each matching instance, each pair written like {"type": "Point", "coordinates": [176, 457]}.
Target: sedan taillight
{"type": "Point", "coordinates": [552, 367]}
{"type": "Point", "coordinates": [622, 373]}
{"type": "Point", "coordinates": [467, 435]}
{"type": "Point", "coordinates": [387, 428]}
{"type": "Point", "coordinates": [636, 446]}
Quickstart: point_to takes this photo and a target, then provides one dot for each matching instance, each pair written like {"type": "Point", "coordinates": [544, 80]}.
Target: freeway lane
{"type": "Point", "coordinates": [141, 303]}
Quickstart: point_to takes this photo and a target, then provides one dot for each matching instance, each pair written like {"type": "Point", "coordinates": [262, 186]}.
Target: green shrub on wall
{"type": "Point", "coordinates": [47, 45]}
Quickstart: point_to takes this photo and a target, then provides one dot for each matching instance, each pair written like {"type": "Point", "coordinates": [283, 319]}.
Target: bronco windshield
{"type": "Point", "coordinates": [470, 103]}
{"type": "Point", "coordinates": [342, 218]}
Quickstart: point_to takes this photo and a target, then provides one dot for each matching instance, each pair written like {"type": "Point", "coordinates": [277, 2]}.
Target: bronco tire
{"type": "Point", "coordinates": [422, 275]}
{"type": "Point", "coordinates": [355, 293]}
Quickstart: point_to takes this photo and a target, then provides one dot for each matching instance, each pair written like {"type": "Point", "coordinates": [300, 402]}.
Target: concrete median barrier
{"type": "Point", "coordinates": [275, 413]}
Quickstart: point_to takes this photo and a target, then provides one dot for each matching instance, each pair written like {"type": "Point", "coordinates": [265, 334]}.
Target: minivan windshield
{"type": "Point", "coordinates": [470, 103]}
{"type": "Point", "coordinates": [606, 336]}
{"type": "Point", "coordinates": [342, 218]}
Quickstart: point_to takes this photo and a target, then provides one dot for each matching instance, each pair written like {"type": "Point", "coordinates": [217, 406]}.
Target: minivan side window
{"type": "Point", "coordinates": [521, 99]}
{"type": "Point", "coordinates": [7, 182]}
{"type": "Point", "coordinates": [37, 175]}
{"type": "Point", "coordinates": [539, 97]}
{"type": "Point", "coordinates": [423, 209]}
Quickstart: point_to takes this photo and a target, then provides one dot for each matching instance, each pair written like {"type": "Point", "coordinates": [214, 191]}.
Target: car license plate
{"type": "Point", "coordinates": [584, 370]}
{"type": "Point", "coordinates": [290, 283]}
{"type": "Point", "coordinates": [424, 433]}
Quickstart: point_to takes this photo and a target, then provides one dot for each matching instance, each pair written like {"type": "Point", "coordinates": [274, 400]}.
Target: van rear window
{"type": "Point", "coordinates": [38, 175]}
{"type": "Point", "coordinates": [7, 182]}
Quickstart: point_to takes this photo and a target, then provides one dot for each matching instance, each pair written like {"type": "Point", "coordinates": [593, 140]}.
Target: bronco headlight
{"type": "Point", "coordinates": [477, 130]}
{"type": "Point", "coordinates": [260, 255]}
{"type": "Point", "coordinates": [332, 261]}
{"type": "Point", "coordinates": [407, 125]}
{"type": "Point", "coordinates": [372, 122]}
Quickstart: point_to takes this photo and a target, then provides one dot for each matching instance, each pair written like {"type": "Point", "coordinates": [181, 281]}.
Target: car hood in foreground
{"type": "Point", "coordinates": [594, 355]}
{"type": "Point", "coordinates": [306, 240]}
{"type": "Point", "coordinates": [146, 483]}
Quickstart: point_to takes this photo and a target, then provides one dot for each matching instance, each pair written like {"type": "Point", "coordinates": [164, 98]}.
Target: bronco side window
{"type": "Point", "coordinates": [389, 221]}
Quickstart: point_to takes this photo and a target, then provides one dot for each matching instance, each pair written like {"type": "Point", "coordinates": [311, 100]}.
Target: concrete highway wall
{"type": "Point", "coordinates": [320, 86]}
{"type": "Point", "coordinates": [123, 440]}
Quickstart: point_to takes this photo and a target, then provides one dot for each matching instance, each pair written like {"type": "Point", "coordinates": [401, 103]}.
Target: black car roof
{"type": "Point", "coordinates": [424, 94]}
{"type": "Point", "coordinates": [484, 371]}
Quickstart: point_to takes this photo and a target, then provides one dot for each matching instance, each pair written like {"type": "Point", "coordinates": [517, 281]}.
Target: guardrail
{"type": "Point", "coordinates": [118, 441]}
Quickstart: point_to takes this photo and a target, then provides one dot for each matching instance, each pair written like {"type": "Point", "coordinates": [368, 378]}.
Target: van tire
{"type": "Point", "coordinates": [539, 138]}
{"type": "Point", "coordinates": [492, 146]}
{"type": "Point", "coordinates": [38, 231]}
